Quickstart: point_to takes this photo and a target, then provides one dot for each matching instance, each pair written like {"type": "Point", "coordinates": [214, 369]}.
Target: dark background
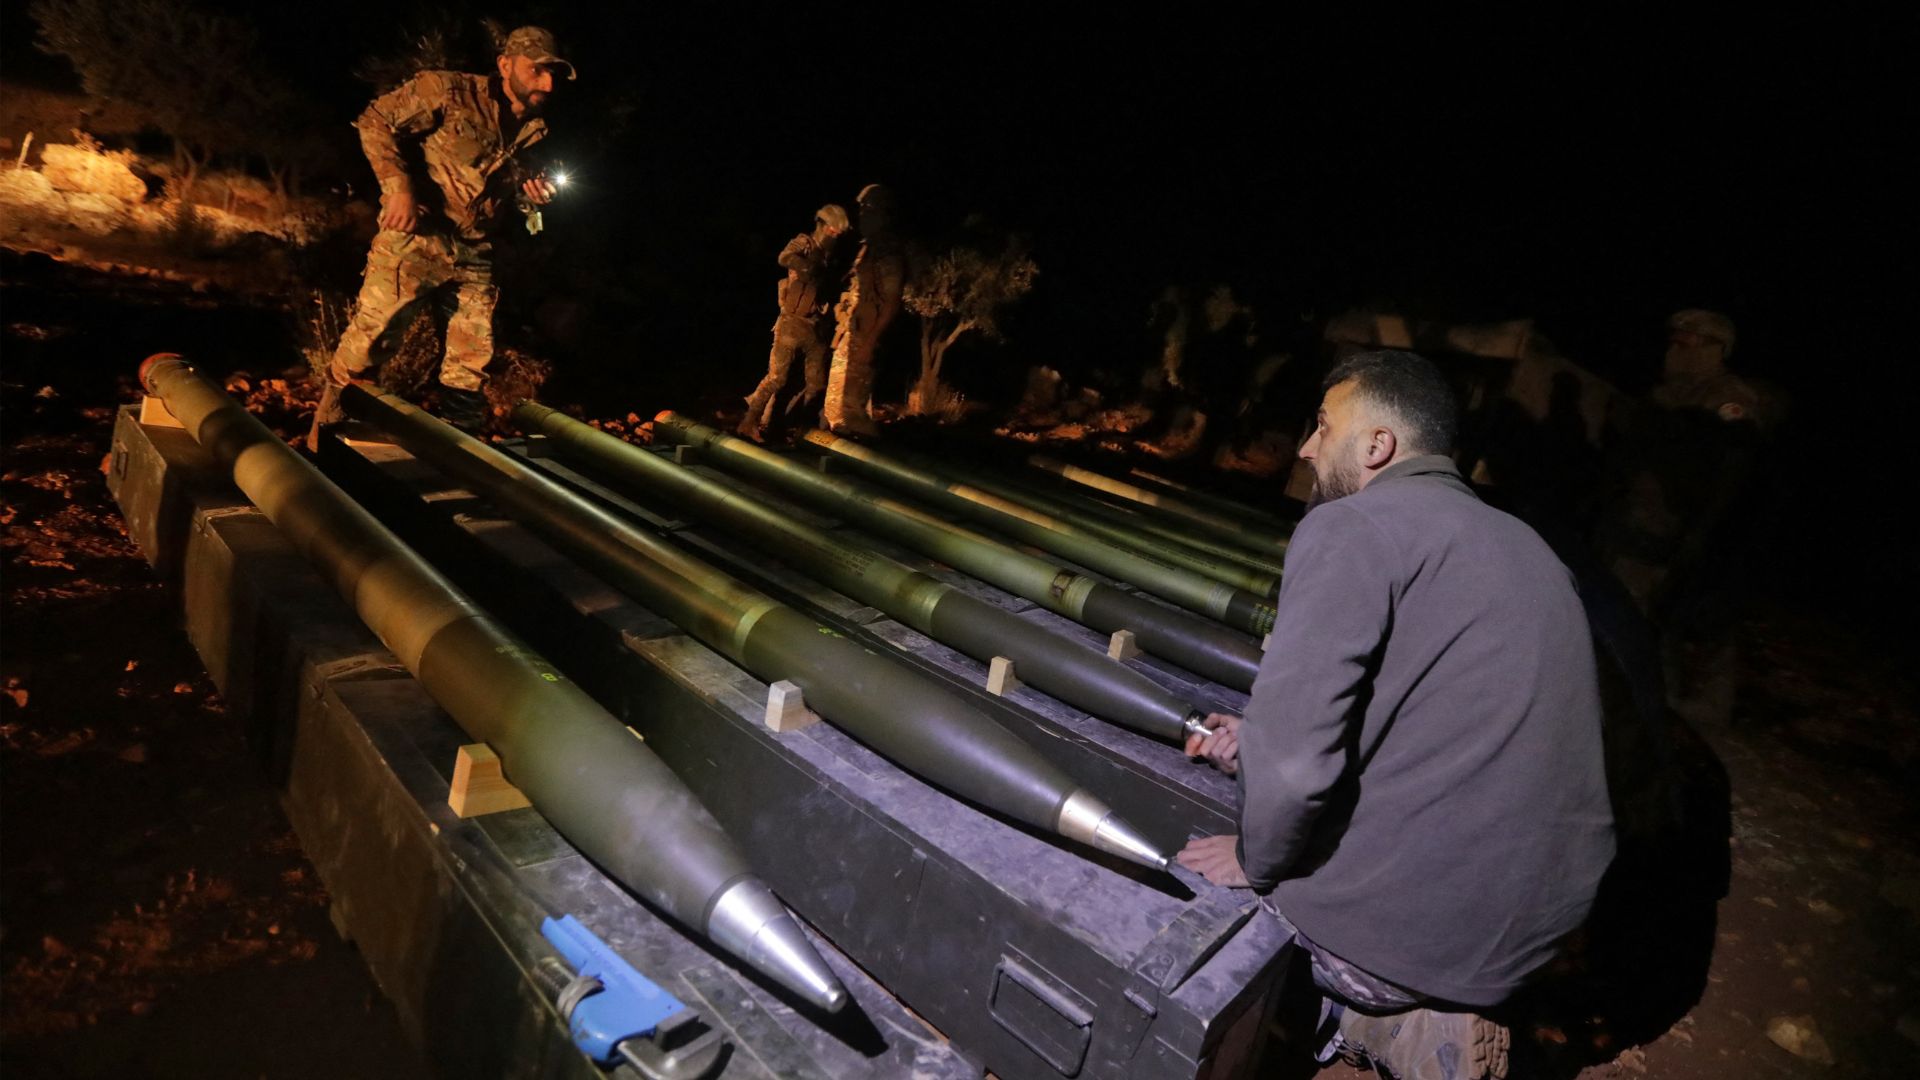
{"type": "Point", "coordinates": [1594, 171]}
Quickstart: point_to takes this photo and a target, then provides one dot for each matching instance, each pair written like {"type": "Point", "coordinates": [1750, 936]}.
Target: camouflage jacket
{"type": "Point", "coordinates": [806, 263]}
{"type": "Point", "coordinates": [464, 170]}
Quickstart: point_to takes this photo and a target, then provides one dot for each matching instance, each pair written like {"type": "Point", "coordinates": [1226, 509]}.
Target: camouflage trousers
{"type": "Point", "coordinates": [405, 271]}
{"type": "Point", "coordinates": [856, 336]}
{"type": "Point", "coordinates": [792, 335]}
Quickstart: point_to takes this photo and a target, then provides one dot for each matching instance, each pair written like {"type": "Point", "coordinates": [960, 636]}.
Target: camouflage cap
{"type": "Point", "coordinates": [536, 44]}
{"type": "Point", "coordinates": [1708, 324]}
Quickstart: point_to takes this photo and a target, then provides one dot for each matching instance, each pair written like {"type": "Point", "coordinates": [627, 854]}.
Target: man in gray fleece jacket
{"type": "Point", "coordinates": [1423, 794]}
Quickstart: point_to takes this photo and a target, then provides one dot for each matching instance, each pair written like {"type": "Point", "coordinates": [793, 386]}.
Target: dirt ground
{"type": "Point", "coordinates": [157, 917]}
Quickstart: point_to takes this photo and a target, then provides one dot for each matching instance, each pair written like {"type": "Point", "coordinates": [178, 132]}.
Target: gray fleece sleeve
{"type": "Point", "coordinates": [1334, 611]}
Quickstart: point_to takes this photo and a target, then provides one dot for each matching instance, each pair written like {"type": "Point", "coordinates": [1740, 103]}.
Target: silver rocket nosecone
{"type": "Point", "coordinates": [1092, 822]}
{"type": "Point", "coordinates": [750, 922]}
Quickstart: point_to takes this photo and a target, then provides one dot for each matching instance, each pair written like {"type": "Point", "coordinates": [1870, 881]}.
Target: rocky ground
{"type": "Point", "coordinates": [158, 918]}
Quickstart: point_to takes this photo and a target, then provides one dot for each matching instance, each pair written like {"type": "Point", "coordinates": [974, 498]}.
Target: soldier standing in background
{"type": "Point", "coordinates": [1672, 526]}
{"type": "Point", "coordinates": [1678, 465]}
{"type": "Point", "coordinates": [871, 301]}
{"type": "Point", "coordinates": [798, 327]}
{"type": "Point", "coordinates": [1694, 374]}
{"type": "Point", "coordinates": [446, 148]}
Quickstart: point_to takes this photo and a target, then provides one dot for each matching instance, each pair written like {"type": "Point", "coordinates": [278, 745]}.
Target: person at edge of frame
{"type": "Point", "coordinates": [1424, 800]}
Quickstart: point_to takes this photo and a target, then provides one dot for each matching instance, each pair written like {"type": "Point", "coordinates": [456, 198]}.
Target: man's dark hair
{"type": "Point", "coordinates": [1411, 387]}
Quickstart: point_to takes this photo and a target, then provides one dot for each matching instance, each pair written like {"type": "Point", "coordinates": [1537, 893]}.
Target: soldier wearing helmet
{"type": "Point", "coordinates": [798, 328]}
{"type": "Point", "coordinates": [1695, 374]}
{"type": "Point", "coordinates": [871, 301]}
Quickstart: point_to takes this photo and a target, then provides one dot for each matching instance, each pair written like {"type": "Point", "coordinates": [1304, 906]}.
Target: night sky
{"type": "Point", "coordinates": [1594, 170]}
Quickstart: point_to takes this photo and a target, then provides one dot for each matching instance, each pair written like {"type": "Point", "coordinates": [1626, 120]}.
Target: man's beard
{"type": "Point", "coordinates": [1340, 479]}
{"type": "Point", "coordinates": [529, 99]}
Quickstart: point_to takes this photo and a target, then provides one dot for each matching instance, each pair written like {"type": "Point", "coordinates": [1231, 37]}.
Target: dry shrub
{"type": "Point", "coordinates": [416, 360]}
{"type": "Point", "coordinates": [89, 169]}
{"type": "Point", "coordinates": [932, 398]}
{"type": "Point", "coordinates": [514, 377]}
{"type": "Point", "coordinates": [319, 328]}
{"type": "Point", "coordinates": [238, 194]}
{"type": "Point", "coordinates": [1040, 401]}
{"type": "Point", "coordinates": [190, 233]}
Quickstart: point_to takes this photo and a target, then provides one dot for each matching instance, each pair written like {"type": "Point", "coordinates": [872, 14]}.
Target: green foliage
{"type": "Point", "coordinates": [965, 288]}
{"type": "Point", "coordinates": [970, 284]}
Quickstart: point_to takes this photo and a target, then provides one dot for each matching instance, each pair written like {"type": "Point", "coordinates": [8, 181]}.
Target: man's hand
{"type": "Point", "coordinates": [539, 190]}
{"type": "Point", "coordinates": [1216, 859]}
{"type": "Point", "coordinates": [399, 212]}
{"type": "Point", "coordinates": [1222, 748]}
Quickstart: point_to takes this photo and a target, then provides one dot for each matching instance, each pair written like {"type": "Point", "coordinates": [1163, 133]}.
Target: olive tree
{"type": "Point", "coordinates": [962, 290]}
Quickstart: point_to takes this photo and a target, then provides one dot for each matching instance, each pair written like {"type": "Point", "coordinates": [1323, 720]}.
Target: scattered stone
{"type": "Point", "coordinates": [135, 754]}
{"type": "Point", "coordinates": [142, 1008]}
{"type": "Point", "coordinates": [1765, 901]}
{"type": "Point", "coordinates": [1826, 911]}
{"type": "Point", "coordinates": [1797, 1036]}
{"type": "Point", "coordinates": [1801, 984]}
{"type": "Point", "coordinates": [1634, 1060]}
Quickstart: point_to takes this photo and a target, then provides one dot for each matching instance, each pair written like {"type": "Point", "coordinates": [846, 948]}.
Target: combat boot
{"type": "Point", "coordinates": [854, 424]}
{"type": "Point", "coordinates": [328, 414]}
{"type": "Point", "coordinates": [754, 424]}
{"type": "Point", "coordinates": [1425, 1044]}
{"type": "Point", "coordinates": [464, 409]}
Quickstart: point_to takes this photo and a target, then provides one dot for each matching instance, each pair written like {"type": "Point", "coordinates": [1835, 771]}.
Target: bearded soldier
{"type": "Point", "coordinates": [447, 148]}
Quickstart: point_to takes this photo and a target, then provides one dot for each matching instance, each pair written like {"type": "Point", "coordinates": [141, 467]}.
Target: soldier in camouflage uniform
{"type": "Point", "coordinates": [871, 301]}
{"type": "Point", "coordinates": [1678, 466]}
{"type": "Point", "coordinates": [797, 329]}
{"type": "Point", "coordinates": [446, 147]}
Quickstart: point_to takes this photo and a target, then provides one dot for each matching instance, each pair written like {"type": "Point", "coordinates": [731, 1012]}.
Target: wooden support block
{"type": "Point", "coordinates": [478, 785]}
{"type": "Point", "coordinates": [825, 463]}
{"type": "Point", "coordinates": [787, 708]}
{"type": "Point", "coordinates": [154, 413]}
{"type": "Point", "coordinates": [1000, 677]}
{"type": "Point", "coordinates": [1122, 646]}
{"type": "Point", "coordinates": [538, 447]}
{"type": "Point", "coordinates": [684, 454]}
